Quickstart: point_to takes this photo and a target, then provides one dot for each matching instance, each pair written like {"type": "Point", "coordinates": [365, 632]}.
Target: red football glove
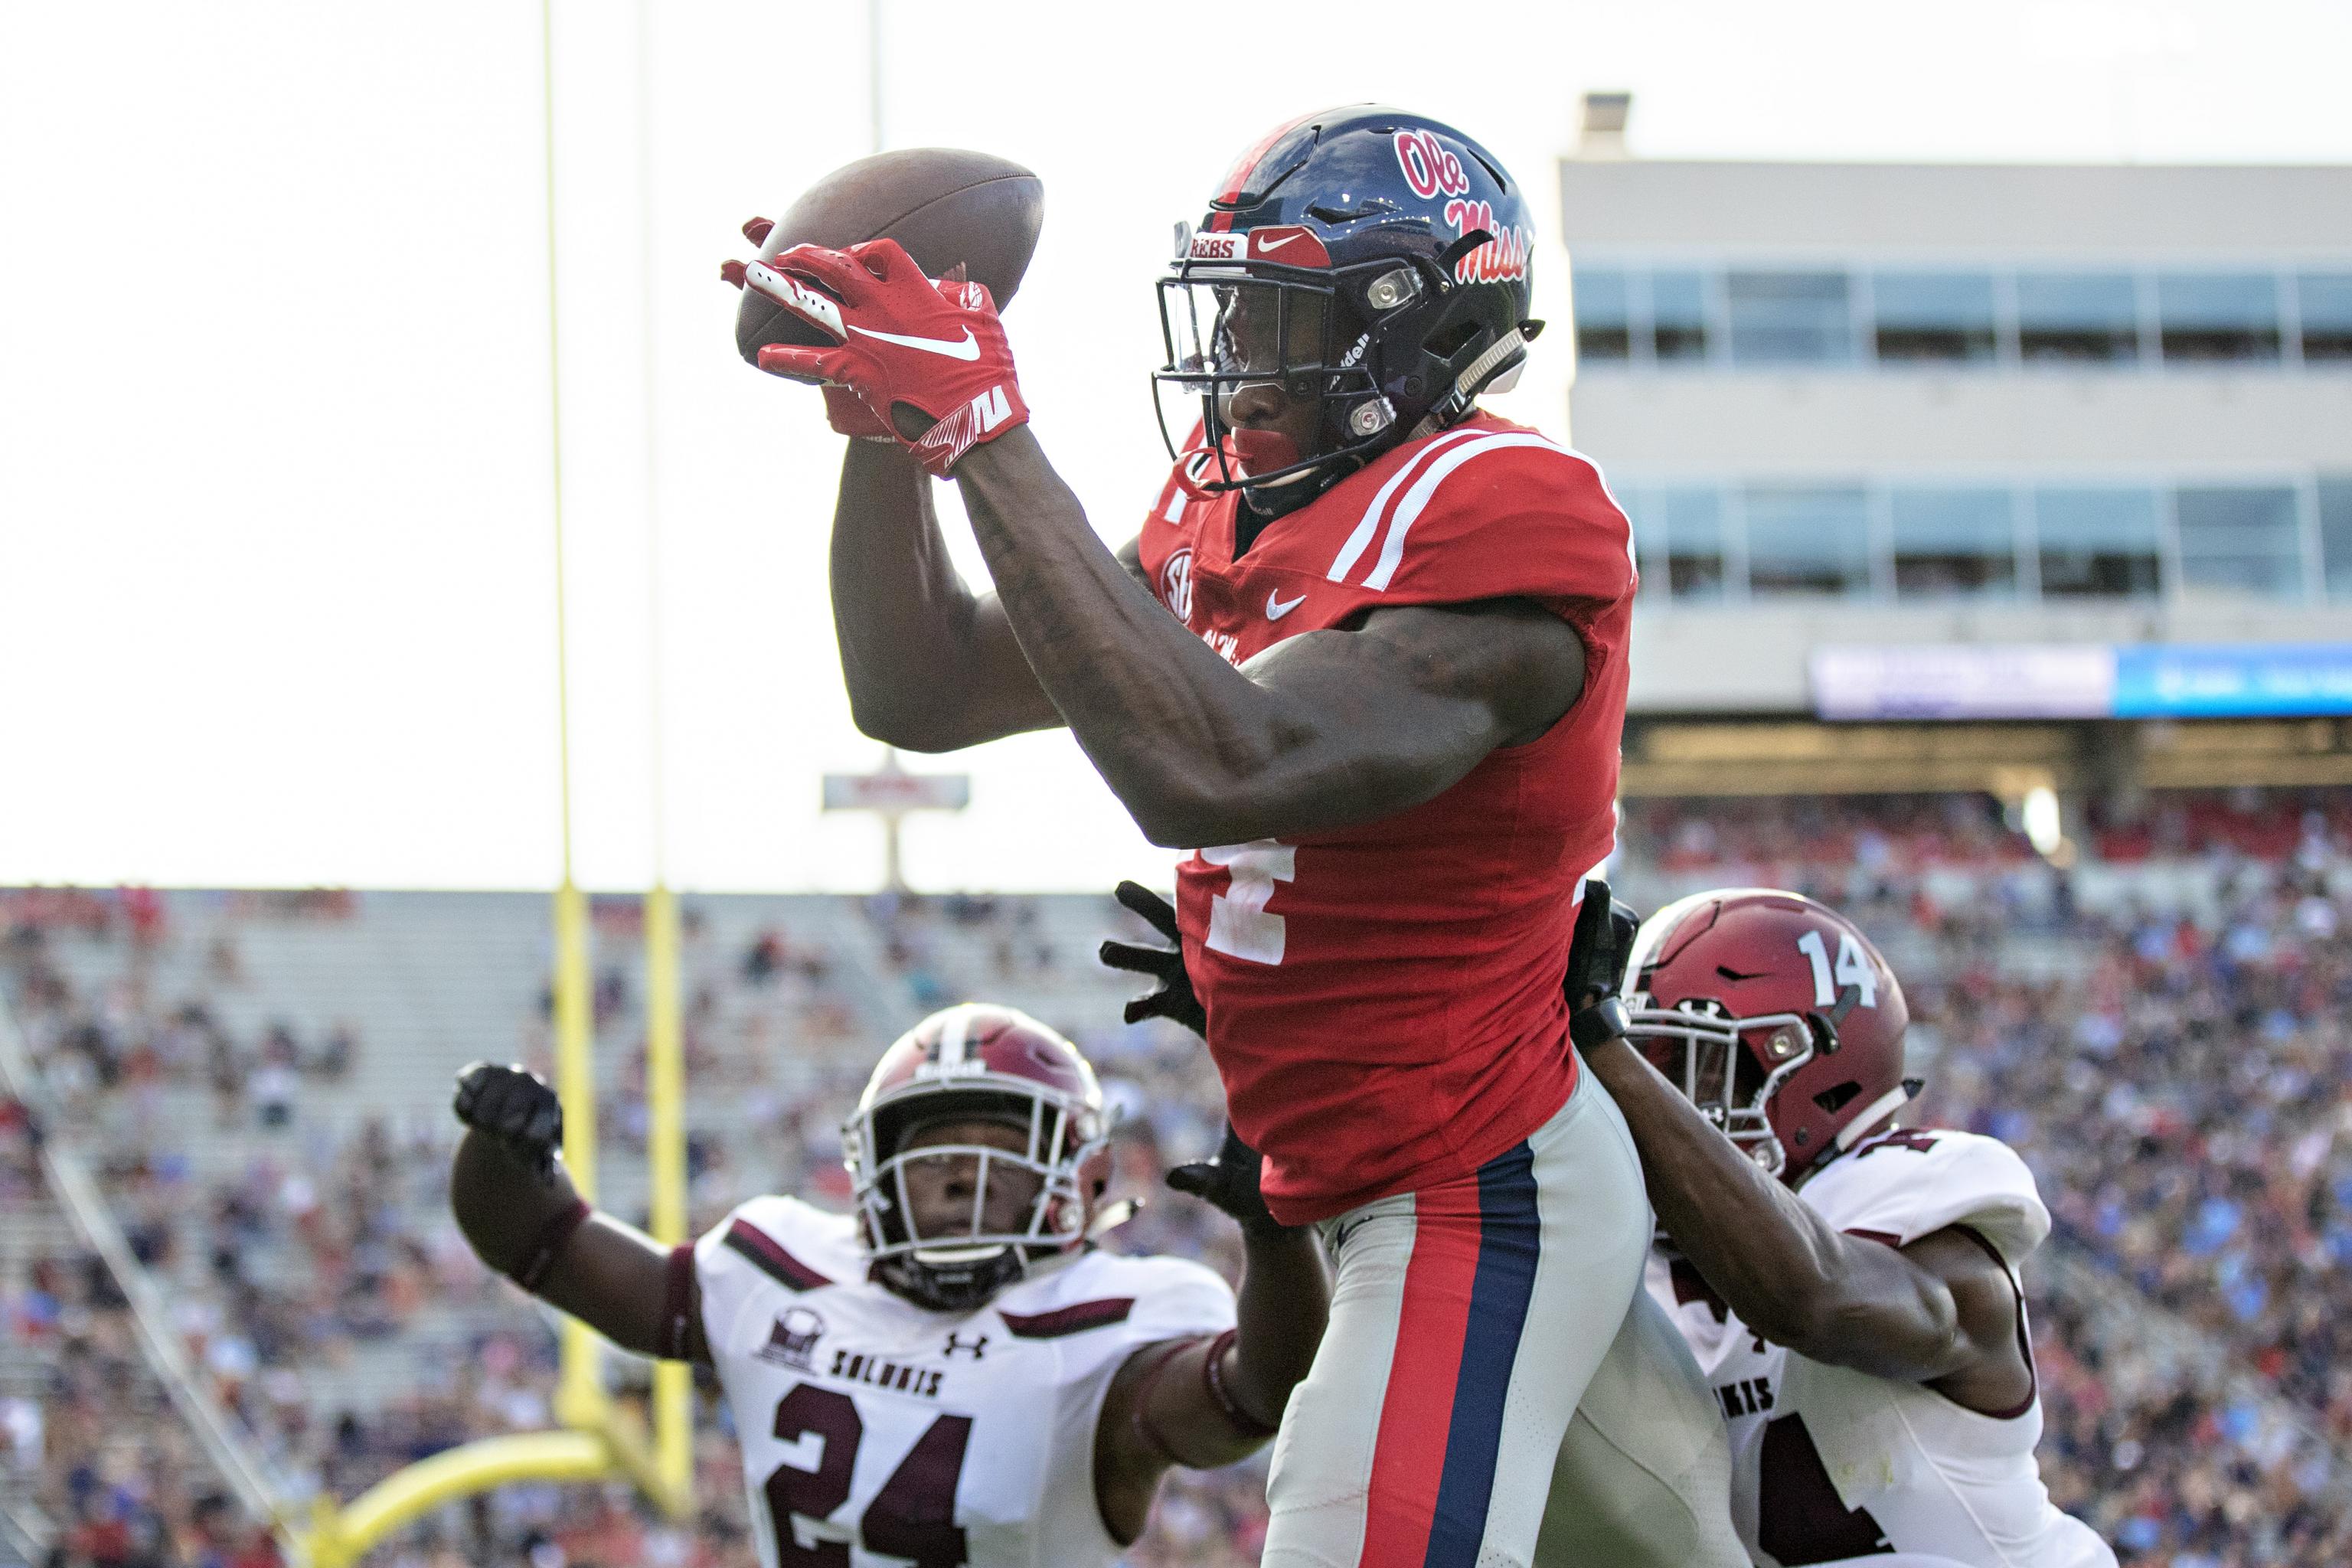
{"type": "Point", "coordinates": [843, 410]}
{"type": "Point", "coordinates": [919, 353]}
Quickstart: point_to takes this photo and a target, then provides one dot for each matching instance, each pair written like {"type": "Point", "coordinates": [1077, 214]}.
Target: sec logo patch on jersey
{"type": "Point", "coordinates": [1176, 584]}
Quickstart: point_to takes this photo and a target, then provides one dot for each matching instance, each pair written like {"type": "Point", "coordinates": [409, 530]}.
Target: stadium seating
{"type": "Point", "coordinates": [261, 1081]}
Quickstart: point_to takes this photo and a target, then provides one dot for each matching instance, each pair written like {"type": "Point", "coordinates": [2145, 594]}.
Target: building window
{"type": "Point", "coordinates": [1934, 316]}
{"type": "Point", "coordinates": [2217, 315]}
{"type": "Point", "coordinates": [1790, 318]}
{"type": "Point", "coordinates": [2098, 543]}
{"type": "Point", "coordinates": [1808, 539]}
{"type": "Point", "coordinates": [1678, 315]}
{"type": "Point", "coordinates": [2082, 317]}
{"type": "Point", "coordinates": [1678, 541]}
{"type": "Point", "coordinates": [2239, 542]}
{"type": "Point", "coordinates": [1954, 544]}
{"type": "Point", "coordinates": [1695, 557]}
{"type": "Point", "coordinates": [1604, 318]}
{"type": "Point", "coordinates": [2324, 300]}
{"type": "Point", "coordinates": [2335, 533]}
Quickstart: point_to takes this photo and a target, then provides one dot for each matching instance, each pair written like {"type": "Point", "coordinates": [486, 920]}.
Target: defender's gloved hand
{"type": "Point", "coordinates": [1229, 1182]}
{"type": "Point", "coordinates": [515, 1107]}
{"type": "Point", "coordinates": [927, 358]}
{"type": "Point", "coordinates": [1596, 966]}
{"type": "Point", "coordinates": [1174, 1000]}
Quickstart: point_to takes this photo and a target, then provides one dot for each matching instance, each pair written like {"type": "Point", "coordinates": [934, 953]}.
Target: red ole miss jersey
{"type": "Point", "coordinates": [1385, 1000]}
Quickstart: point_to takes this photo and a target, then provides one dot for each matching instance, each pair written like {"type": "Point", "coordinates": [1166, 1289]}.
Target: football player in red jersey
{"type": "Point", "coordinates": [955, 1374]}
{"type": "Point", "coordinates": [1367, 658]}
{"type": "Point", "coordinates": [1851, 1287]}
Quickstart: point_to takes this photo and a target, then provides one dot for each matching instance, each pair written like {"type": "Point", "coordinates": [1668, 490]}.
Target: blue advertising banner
{"type": "Point", "coordinates": [2231, 680]}
{"type": "Point", "coordinates": [2081, 681]}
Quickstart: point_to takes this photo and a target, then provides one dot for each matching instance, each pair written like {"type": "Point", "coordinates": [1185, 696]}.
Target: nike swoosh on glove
{"type": "Point", "coordinates": [930, 356]}
{"type": "Point", "coordinates": [844, 409]}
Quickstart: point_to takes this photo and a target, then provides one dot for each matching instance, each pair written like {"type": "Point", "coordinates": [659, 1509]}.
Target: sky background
{"type": "Point", "coordinates": [277, 589]}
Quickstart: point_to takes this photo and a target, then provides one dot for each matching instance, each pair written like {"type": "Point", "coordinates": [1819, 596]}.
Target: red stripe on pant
{"type": "Point", "coordinates": [1416, 1415]}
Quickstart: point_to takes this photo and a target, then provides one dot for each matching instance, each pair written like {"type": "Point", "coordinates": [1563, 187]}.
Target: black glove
{"type": "Point", "coordinates": [1174, 999]}
{"type": "Point", "coordinates": [515, 1107]}
{"type": "Point", "coordinates": [1596, 966]}
{"type": "Point", "coordinates": [1229, 1182]}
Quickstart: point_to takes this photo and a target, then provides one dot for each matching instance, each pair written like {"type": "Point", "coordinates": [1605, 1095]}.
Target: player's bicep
{"type": "Point", "coordinates": [1008, 699]}
{"type": "Point", "coordinates": [1994, 1368]}
{"type": "Point", "coordinates": [1378, 720]}
{"type": "Point", "coordinates": [1914, 1313]}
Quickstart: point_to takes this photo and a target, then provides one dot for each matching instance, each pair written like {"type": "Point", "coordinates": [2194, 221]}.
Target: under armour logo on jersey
{"type": "Point", "coordinates": [978, 1348]}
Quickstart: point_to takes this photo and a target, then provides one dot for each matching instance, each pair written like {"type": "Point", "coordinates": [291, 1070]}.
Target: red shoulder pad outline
{"type": "Point", "coordinates": [1071, 1320]}
{"type": "Point", "coordinates": [770, 1258]}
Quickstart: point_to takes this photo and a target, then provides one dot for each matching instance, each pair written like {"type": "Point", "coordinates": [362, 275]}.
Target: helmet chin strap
{"type": "Point", "coordinates": [1501, 358]}
{"type": "Point", "coordinates": [1497, 364]}
{"type": "Point", "coordinates": [1876, 1111]}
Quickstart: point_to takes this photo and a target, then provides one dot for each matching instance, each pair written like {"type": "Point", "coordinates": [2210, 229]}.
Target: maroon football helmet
{"type": "Point", "coordinates": [1775, 1016]}
{"type": "Point", "coordinates": [977, 1061]}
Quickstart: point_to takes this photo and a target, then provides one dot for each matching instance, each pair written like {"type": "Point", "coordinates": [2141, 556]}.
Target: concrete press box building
{"type": "Point", "coordinates": [1972, 476]}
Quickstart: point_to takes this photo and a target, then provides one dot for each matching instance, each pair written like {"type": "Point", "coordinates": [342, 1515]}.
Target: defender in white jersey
{"type": "Point", "coordinates": [955, 1374]}
{"type": "Point", "coordinates": [1850, 1289]}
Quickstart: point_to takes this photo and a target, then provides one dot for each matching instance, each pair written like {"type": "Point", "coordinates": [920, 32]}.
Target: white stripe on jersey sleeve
{"type": "Point", "coordinates": [1408, 509]}
{"type": "Point", "coordinates": [1345, 561]}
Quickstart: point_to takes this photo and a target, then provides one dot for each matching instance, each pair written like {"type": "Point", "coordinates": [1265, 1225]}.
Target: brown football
{"type": "Point", "coordinates": [944, 205]}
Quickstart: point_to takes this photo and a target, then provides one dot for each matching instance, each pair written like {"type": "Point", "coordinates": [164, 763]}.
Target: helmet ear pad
{"type": "Point", "coordinates": [1428, 344]}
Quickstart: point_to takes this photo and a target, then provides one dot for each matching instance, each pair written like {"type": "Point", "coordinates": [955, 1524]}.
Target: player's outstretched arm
{"type": "Point", "coordinates": [1323, 731]}
{"type": "Point", "coordinates": [1206, 1403]}
{"type": "Point", "coordinates": [1940, 1311]}
{"type": "Point", "coordinates": [520, 1213]}
{"type": "Point", "coordinates": [931, 666]}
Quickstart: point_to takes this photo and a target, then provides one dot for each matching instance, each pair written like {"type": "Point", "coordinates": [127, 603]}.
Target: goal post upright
{"type": "Point", "coordinates": [673, 1381]}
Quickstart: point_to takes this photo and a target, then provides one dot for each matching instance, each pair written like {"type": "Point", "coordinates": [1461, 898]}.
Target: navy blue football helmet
{"type": "Point", "coordinates": [1364, 257]}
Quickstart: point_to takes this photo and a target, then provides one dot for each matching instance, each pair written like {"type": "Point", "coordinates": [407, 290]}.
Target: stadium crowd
{"type": "Point", "coordinates": [2177, 1078]}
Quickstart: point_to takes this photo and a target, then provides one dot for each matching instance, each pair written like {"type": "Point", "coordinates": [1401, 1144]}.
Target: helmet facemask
{"type": "Point", "coordinates": [1308, 329]}
{"type": "Point", "coordinates": [959, 1264]}
{"type": "Point", "coordinates": [1327, 337]}
{"type": "Point", "coordinates": [1705, 1054]}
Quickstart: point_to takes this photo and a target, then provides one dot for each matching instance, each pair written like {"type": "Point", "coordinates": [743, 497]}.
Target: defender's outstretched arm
{"type": "Point", "coordinates": [1940, 1311]}
{"type": "Point", "coordinates": [520, 1213]}
{"type": "Point", "coordinates": [1206, 1403]}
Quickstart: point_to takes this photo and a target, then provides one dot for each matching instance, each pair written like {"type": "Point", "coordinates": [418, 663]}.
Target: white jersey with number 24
{"type": "Point", "coordinates": [877, 1434]}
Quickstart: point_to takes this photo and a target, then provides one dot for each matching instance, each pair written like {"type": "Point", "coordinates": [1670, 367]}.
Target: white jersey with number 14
{"type": "Point", "coordinates": [1830, 1464]}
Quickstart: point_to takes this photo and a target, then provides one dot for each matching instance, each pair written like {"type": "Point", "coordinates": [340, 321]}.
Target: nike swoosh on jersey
{"type": "Point", "coordinates": [1275, 609]}
{"type": "Point", "coordinates": [969, 349]}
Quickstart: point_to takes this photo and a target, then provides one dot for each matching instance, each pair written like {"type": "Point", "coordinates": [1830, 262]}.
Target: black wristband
{"type": "Point", "coordinates": [549, 1244]}
{"type": "Point", "coordinates": [679, 1305]}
